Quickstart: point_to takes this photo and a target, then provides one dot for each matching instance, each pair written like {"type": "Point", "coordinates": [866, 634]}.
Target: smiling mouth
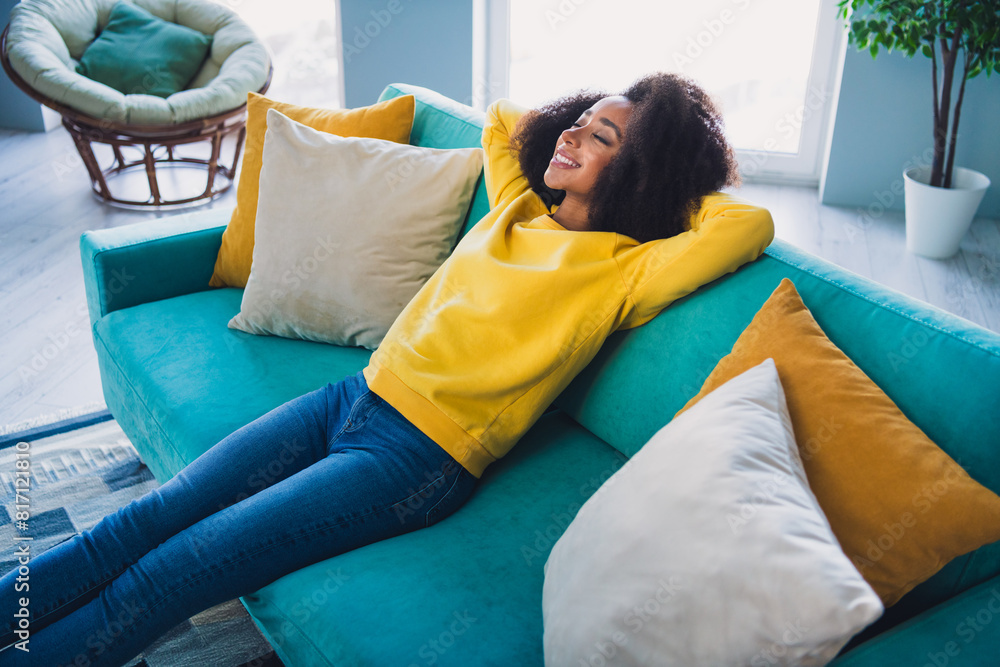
{"type": "Point", "coordinates": [561, 160]}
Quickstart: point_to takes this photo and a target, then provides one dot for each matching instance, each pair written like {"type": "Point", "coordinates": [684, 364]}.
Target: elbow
{"type": "Point", "coordinates": [761, 230]}
{"type": "Point", "coordinates": [767, 227]}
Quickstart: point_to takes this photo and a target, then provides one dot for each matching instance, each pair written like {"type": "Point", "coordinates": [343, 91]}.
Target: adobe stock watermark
{"type": "Point", "coordinates": [884, 200]}
{"type": "Point", "coordinates": [315, 61]}
{"type": "Point", "coordinates": [764, 495]}
{"type": "Point", "coordinates": [155, 76]}
{"type": "Point", "coordinates": [361, 37]}
{"type": "Point", "coordinates": [446, 290]}
{"type": "Point", "coordinates": [910, 347]}
{"type": "Point", "coordinates": [967, 630]}
{"type": "Point", "coordinates": [305, 608]}
{"type": "Point", "coordinates": [606, 649]}
{"type": "Point", "coordinates": [983, 283]}
{"type": "Point", "coordinates": [768, 488]}
{"type": "Point", "coordinates": [100, 641]}
{"type": "Point", "coordinates": [595, 319]}
{"type": "Point", "coordinates": [302, 268]}
{"type": "Point", "coordinates": [57, 341]}
{"type": "Point", "coordinates": [785, 128]}
{"type": "Point", "coordinates": [67, 162]}
{"type": "Point", "coordinates": [711, 30]}
{"type": "Point", "coordinates": [22, 553]}
{"type": "Point", "coordinates": [284, 463]}
{"type": "Point", "coordinates": [774, 654]}
{"type": "Point", "coordinates": [481, 89]}
{"type": "Point", "coordinates": [319, 595]}
{"type": "Point", "coordinates": [895, 531]}
{"type": "Point", "coordinates": [562, 12]}
{"type": "Point", "coordinates": [431, 651]}
{"type": "Point", "coordinates": [545, 538]}
{"type": "Point", "coordinates": [405, 168]}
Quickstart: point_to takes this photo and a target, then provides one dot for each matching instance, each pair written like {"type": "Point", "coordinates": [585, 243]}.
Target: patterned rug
{"type": "Point", "coordinates": [79, 475]}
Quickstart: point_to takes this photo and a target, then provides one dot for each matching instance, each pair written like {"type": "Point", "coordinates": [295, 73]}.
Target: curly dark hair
{"type": "Point", "coordinates": [674, 152]}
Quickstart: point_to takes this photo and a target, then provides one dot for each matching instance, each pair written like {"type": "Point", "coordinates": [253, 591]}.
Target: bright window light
{"type": "Point", "coordinates": [304, 40]}
{"type": "Point", "coordinates": [752, 56]}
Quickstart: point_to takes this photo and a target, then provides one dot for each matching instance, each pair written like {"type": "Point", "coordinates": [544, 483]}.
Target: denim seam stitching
{"type": "Point", "coordinates": [354, 423]}
{"type": "Point", "coordinates": [431, 510]}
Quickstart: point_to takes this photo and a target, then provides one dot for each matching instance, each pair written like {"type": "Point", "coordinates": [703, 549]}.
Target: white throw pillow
{"type": "Point", "coordinates": [348, 229]}
{"type": "Point", "coordinates": [706, 548]}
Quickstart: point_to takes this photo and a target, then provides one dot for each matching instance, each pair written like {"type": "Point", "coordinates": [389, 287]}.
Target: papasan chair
{"type": "Point", "coordinates": [42, 46]}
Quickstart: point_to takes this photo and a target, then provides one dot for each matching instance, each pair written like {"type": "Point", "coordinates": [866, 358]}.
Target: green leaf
{"type": "Point", "coordinates": [874, 49]}
{"type": "Point", "coordinates": [927, 51]}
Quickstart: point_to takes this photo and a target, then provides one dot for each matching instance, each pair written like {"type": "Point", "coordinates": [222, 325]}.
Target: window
{"type": "Point", "coordinates": [768, 63]}
{"type": "Point", "coordinates": [304, 39]}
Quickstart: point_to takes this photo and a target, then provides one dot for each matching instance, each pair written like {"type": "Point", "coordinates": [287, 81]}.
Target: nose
{"type": "Point", "coordinates": [569, 135]}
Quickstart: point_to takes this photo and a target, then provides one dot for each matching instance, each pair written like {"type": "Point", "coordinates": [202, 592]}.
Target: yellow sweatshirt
{"type": "Point", "coordinates": [523, 304]}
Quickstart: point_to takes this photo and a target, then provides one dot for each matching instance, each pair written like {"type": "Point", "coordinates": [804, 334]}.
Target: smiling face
{"type": "Point", "coordinates": [584, 149]}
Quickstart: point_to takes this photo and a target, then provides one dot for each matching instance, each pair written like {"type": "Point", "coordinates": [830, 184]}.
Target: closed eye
{"type": "Point", "coordinates": [596, 136]}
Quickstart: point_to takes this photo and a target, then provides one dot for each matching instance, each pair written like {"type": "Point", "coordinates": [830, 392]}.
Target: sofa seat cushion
{"type": "Point", "coordinates": [190, 380]}
{"type": "Point", "coordinates": [466, 591]}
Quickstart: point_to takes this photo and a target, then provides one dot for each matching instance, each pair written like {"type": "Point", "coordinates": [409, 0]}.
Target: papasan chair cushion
{"type": "Point", "coordinates": [46, 39]}
{"type": "Point", "coordinates": [138, 52]}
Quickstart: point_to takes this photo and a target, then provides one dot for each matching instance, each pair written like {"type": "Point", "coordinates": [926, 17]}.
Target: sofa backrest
{"type": "Point", "coordinates": [941, 370]}
{"type": "Point", "coordinates": [440, 122]}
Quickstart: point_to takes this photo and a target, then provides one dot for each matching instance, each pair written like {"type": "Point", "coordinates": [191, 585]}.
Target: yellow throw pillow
{"type": "Point", "coordinates": [390, 120]}
{"type": "Point", "coordinates": [899, 505]}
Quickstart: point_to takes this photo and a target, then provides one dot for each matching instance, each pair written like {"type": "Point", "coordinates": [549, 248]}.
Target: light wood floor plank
{"type": "Point", "coordinates": [891, 264]}
{"type": "Point", "coordinates": [949, 285]}
{"type": "Point", "coordinates": [983, 261]}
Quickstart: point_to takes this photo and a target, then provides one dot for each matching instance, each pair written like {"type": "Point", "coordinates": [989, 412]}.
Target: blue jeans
{"type": "Point", "coordinates": [327, 472]}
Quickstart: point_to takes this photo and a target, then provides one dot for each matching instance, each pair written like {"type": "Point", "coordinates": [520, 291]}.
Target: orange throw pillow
{"type": "Point", "coordinates": [390, 120]}
{"type": "Point", "coordinates": [899, 505]}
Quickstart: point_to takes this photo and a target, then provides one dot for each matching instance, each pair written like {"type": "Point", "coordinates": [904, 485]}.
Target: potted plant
{"type": "Point", "coordinates": [940, 199]}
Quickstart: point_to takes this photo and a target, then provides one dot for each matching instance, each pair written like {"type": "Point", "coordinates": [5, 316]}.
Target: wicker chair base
{"type": "Point", "coordinates": [156, 153]}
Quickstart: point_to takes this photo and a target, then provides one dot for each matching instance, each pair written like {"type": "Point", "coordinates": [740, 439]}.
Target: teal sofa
{"type": "Point", "coordinates": [467, 592]}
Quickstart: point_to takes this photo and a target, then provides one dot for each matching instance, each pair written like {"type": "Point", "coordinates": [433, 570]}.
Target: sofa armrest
{"type": "Point", "coordinates": [150, 260]}
{"type": "Point", "coordinates": [960, 632]}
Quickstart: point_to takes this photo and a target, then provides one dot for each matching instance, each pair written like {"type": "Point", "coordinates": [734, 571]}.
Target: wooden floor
{"type": "Point", "coordinates": [47, 359]}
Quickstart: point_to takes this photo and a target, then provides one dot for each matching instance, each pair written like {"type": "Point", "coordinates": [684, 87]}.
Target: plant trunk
{"type": "Point", "coordinates": [934, 81]}
{"type": "Point", "coordinates": [950, 165]}
{"type": "Point", "coordinates": [949, 56]}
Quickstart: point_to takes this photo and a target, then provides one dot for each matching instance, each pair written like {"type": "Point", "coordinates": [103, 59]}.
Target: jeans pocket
{"type": "Point", "coordinates": [364, 407]}
{"type": "Point", "coordinates": [458, 491]}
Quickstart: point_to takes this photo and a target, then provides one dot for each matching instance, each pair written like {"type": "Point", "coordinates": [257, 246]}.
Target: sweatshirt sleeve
{"type": "Point", "coordinates": [504, 178]}
{"type": "Point", "coordinates": [726, 233]}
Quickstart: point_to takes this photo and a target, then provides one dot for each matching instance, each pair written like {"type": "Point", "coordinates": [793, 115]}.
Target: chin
{"type": "Point", "coordinates": [548, 181]}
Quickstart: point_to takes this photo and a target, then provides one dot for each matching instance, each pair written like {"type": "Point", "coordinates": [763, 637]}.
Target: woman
{"type": "Point", "coordinates": [609, 212]}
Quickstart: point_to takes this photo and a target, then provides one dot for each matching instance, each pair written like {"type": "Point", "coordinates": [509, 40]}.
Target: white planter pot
{"type": "Point", "coordinates": [938, 218]}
